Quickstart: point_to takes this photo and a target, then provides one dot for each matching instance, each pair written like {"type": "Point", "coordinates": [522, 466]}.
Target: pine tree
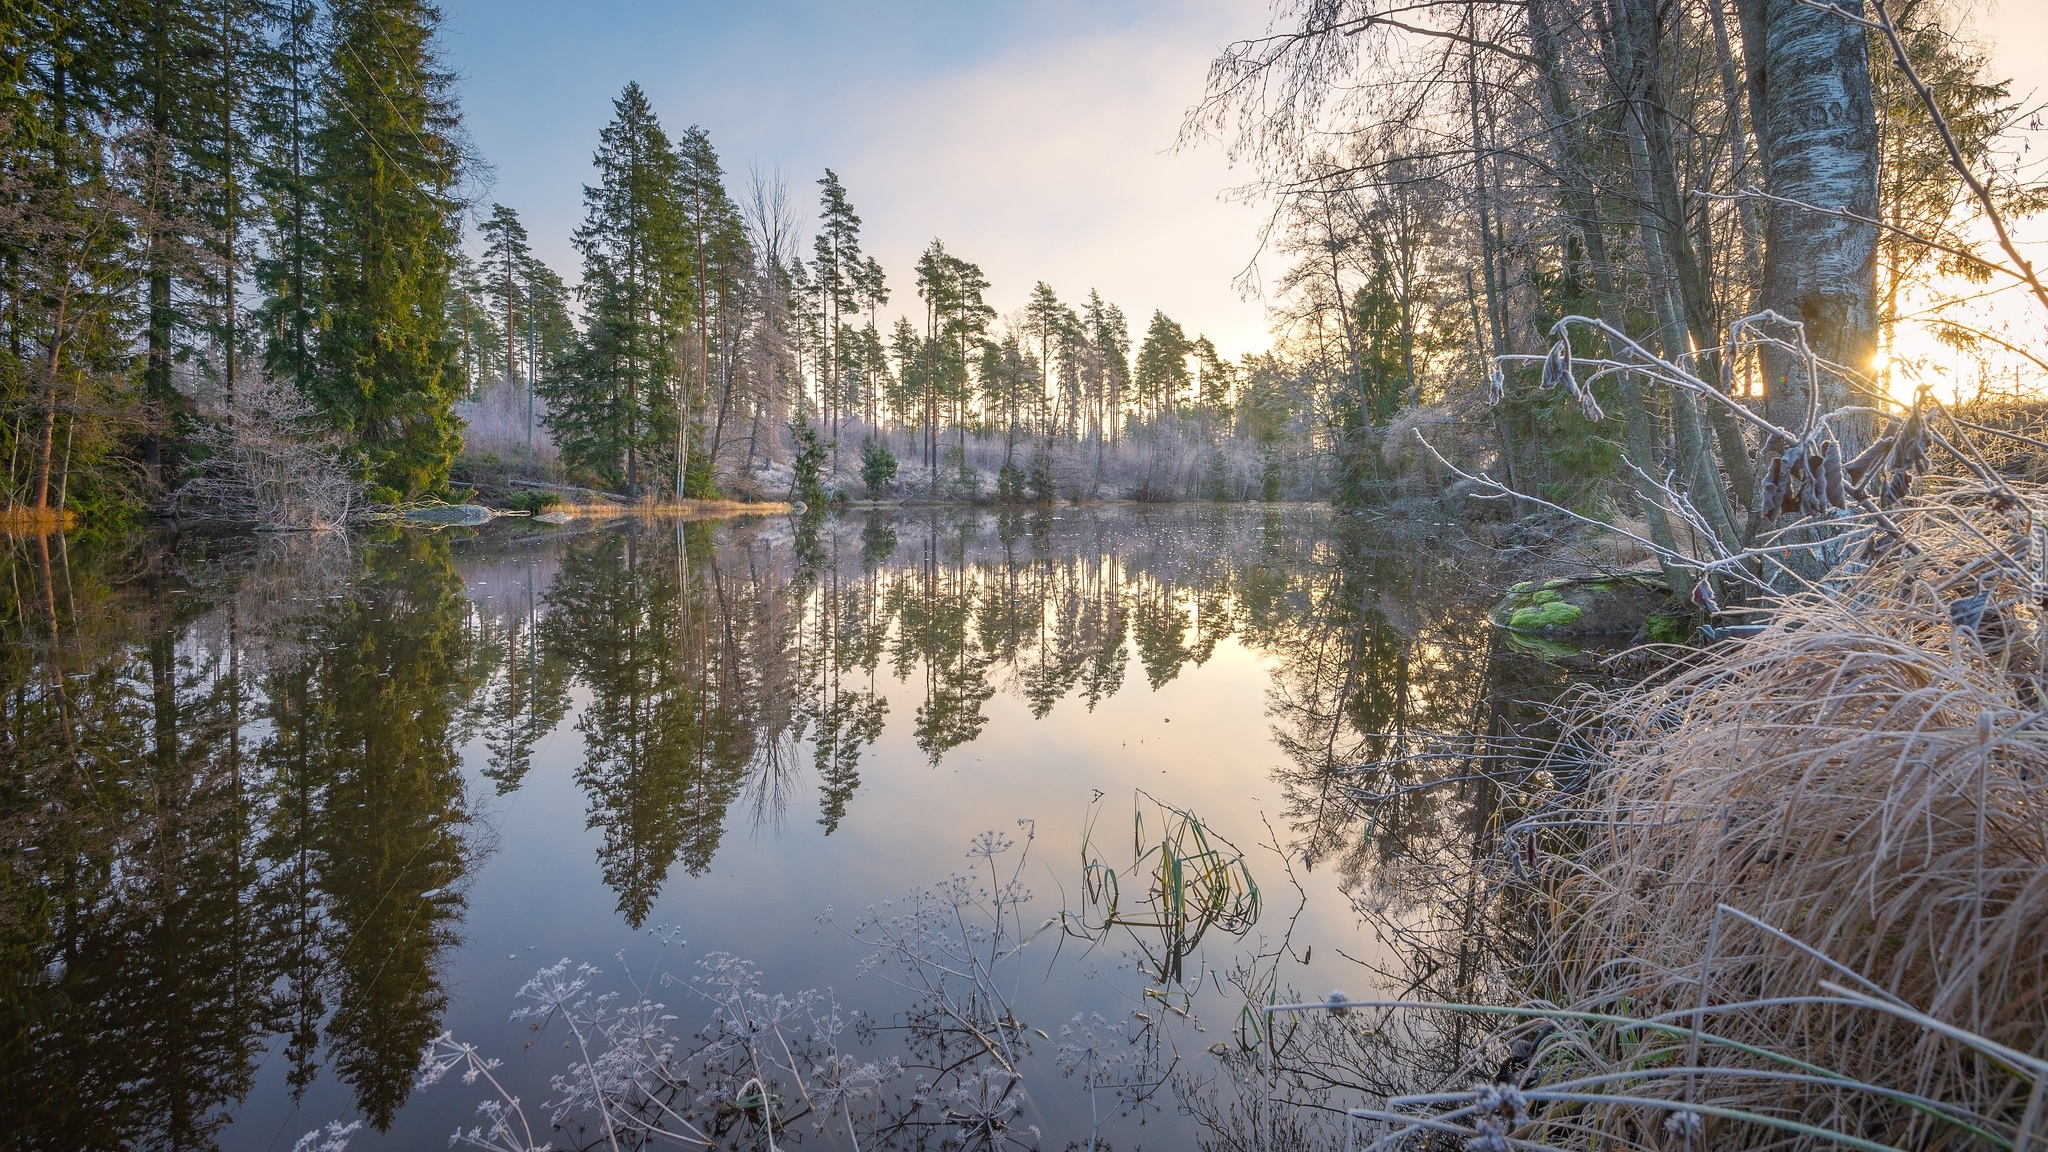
{"type": "Point", "coordinates": [1046, 314]}
{"type": "Point", "coordinates": [906, 385]}
{"type": "Point", "coordinates": [607, 411]}
{"type": "Point", "coordinates": [840, 273]}
{"type": "Point", "coordinates": [1162, 373]}
{"type": "Point", "coordinates": [385, 164]}
{"type": "Point", "coordinates": [719, 257]}
{"type": "Point", "coordinates": [507, 256]}
{"type": "Point", "coordinates": [1108, 337]}
{"type": "Point", "coordinates": [871, 285]}
{"type": "Point", "coordinates": [1213, 377]}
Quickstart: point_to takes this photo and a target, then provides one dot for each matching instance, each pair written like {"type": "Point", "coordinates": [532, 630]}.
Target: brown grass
{"type": "Point", "coordinates": [684, 510]}
{"type": "Point", "coordinates": [19, 521]}
{"type": "Point", "coordinates": [1870, 776]}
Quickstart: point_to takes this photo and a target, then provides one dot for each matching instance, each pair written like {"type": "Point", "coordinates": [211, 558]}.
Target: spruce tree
{"type": "Point", "coordinates": [385, 164]}
{"type": "Point", "coordinates": [285, 111]}
{"type": "Point", "coordinates": [606, 410]}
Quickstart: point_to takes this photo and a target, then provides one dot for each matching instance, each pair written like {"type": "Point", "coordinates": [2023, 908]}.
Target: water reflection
{"type": "Point", "coordinates": [229, 814]}
{"type": "Point", "coordinates": [233, 787]}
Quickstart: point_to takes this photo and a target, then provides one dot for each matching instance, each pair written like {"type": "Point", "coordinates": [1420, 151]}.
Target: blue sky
{"type": "Point", "coordinates": [1035, 138]}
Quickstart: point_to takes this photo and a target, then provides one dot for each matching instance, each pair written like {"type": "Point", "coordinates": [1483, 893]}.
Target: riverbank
{"type": "Point", "coordinates": [672, 509]}
{"type": "Point", "coordinates": [1794, 887]}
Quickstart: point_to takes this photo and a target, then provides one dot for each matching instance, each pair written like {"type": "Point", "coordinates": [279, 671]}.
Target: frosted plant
{"type": "Point", "coordinates": [767, 1068]}
{"type": "Point", "coordinates": [332, 1138]}
{"type": "Point", "coordinates": [506, 1128]}
{"type": "Point", "coordinates": [1122, 1056]}
{"type": "Point", "coordinates": [955, 948]}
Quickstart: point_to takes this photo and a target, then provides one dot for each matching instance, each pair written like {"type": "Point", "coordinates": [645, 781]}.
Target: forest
{"type": "Point", "coordinates": [1638, 595]}
{"type": "Point", "coordinates": [245, 230]}
{"type": "Point", "coordinates": [250, 237]}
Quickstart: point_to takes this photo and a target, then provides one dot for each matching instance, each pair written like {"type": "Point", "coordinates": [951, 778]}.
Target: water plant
{"type": "Point", "coordinates": [1183, 880]}
{"type": "Point", "coordinates": [1794, 890]}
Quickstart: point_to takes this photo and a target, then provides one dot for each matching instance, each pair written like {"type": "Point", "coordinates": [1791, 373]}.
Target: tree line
{"type": "Point", "coordinates": [200, 190]}
{"type": "Point", "coordinates": [196, 193]}
{"type": "Point", "coordinates": [713, 339]}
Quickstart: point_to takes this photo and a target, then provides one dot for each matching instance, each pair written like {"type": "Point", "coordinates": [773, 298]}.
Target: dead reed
{"type": "Point", "coordinates": [1867, 780]}
{"type": "Point", "coordinates": [17, 520]}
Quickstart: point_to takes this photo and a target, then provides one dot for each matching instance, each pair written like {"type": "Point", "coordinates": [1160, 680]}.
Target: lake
{"type": "Point", "coordinates": [279, 811]}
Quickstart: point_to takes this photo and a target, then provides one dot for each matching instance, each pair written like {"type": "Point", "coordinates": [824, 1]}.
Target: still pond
{"type": "Point", "coordinates": [279, 811]}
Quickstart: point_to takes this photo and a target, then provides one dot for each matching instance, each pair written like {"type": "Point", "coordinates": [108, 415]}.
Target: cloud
{"type": "Point", "coordinates": [1057, 163]}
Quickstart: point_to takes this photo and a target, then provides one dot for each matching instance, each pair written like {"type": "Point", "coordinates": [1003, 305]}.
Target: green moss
{"type": "Point", "coordinates": [1667, 629]}
{"type": "Point", "coordinates": [1547, 596]}
{"type": "Point", "coordinates": [1537, 646]}
{"type": "Point", "coordinates": [1524, 586]}
{"type": "Point", "coordinates": [1545, 615]}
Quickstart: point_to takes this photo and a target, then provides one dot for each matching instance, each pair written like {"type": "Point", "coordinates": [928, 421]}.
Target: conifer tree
{"type": "Point", "coordinates": [284, 114]}
{"type": "Point", "coordinates": [718, 258]}
{"type": "Point", "coordinates": [507, 257]}
{"type": "Point", "coordinates": [1109, 344]}
{"type": "Point", "coordinates": [1162, 371]}
{"type": "Point", "coordinates": [1045, 313]}
{"type": "Point", "coordinates": [385, 164]}
{"type": "Point", "coordinates": [841, 273]}
{"type": "Point", "coordinates": [607, 411]}
{"type": "Point", "coordinates": [872, 287]}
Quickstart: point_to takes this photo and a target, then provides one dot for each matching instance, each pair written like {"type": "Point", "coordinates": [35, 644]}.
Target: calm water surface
{"type": "Point", "coordinates": [278, 811]}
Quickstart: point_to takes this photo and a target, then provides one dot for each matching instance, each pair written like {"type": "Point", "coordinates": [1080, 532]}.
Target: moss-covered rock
{"type": "Point", "coordinates": [1615, 607]}
{"type": "Point", "coordinates": [1556, 612]}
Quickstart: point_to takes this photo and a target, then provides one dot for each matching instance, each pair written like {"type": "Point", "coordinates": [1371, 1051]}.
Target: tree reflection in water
{"type": "Point", "coordinates": [232, 780]}
{"type": "Point", "coordinates": [233, 808]}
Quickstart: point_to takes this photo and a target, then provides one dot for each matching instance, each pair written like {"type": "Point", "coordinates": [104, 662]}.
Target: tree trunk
{"type": "Point", "coordinates": [1816, 128]}
{"type": "Point", "coordinates": [1577, 193]}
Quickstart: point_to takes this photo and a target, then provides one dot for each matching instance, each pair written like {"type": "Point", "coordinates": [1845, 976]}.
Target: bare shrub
{"type": "Point", "coordinates": [495, 424]}
{"type": "Point", "coordinates": [270, 465]}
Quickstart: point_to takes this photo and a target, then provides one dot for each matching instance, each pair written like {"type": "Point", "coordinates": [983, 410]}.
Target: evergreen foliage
{"type": "Point", "coordinates": [808, 468]}
{"type": "Point", "coordinates": [877, 466]}
{"type": "Point", "coordinates": [200, 190]}
{"type": "Point", "coordinates": [385, 165]}
{"type": "Point", "coordinates": [1162, 370]}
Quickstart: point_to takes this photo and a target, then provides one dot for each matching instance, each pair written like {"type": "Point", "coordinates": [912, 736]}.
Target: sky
{"type": "Point", "coordinates": [2012, 33]}
{"type": "Point", "coordinates": [1036, 138]}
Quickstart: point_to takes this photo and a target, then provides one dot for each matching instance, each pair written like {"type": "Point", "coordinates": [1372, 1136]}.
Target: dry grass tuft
{"type": "Point", "coordinates": [24, 521]}
{"type": "Point", "coordinates": [1870, 776]}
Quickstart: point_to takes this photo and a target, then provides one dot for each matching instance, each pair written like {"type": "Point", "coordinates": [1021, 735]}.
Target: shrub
{"type": "Point", "coordinates": [270, 464]}
{"type": "Point", "coordinates": [877, 466]}
{"type": "Point", "coordinates": [1039, 485]}
{"type": "Point", "coordinates": [807, 484]}
{"type": "Point", "coordinates": [531, 501]}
